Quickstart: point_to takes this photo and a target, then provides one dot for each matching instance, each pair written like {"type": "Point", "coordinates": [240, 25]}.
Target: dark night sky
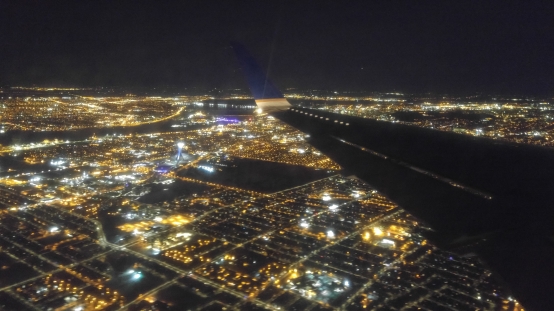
{"type": "Point", "coordinates": [411, 46]}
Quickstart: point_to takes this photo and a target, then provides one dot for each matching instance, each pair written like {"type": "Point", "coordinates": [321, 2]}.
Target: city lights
{"type": "Point", "coordinates": [206, 168]}
{"type": "Point", "coordinates": [137, 276]}
{"type": "Point", "coordinates": [520, 121]}
{"type": "Point", "coordinates": [321, 243]}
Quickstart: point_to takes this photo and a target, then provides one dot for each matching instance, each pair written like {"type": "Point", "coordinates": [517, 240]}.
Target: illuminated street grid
{"type": "Point", "coordinates": [71, 113]}
{"type": "Point", "coordinates": [74, 237]}
{"type": "Point", "coordinates": [520, 122]}
{"type": "Point", "coordinates": [334, 243]}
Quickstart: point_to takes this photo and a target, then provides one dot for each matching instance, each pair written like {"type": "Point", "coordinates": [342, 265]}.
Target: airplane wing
{"type": "Point", "coordinates": [479, 195]}
{"type": "Point", "coordinates": [266, 95]}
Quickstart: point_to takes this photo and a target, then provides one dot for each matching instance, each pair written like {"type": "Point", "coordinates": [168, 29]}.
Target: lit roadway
{"type": "Point", "coordinates": [214, 284]}
{"type": "Point", "coordinates": [185, 273]}
{"type": "Point", "coordinates": [125, 248]}
{"type": "Point", "coordinates": [217, 185]}
{"type": "Point", "coordinates": [182, 272]}
{"type": "Point", "coordinates": [306, 257]}
{"type": "Point", "coordinates": [192, 163]}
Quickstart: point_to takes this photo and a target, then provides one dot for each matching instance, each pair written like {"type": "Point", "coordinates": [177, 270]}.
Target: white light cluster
{"type": "Point", "coordinates": [206, 168]}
